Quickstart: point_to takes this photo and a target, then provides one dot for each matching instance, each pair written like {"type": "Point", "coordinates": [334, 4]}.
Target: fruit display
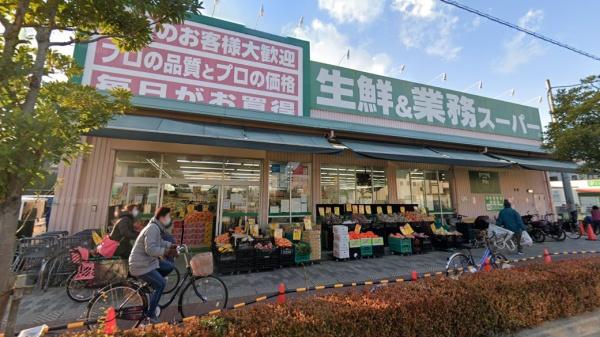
{"type": "Point", "coordinates": [194, 216]}
{"type": "Point", "coordinates": [225, 248]}
{"type": "Point", "coordinates": [444, 231]}
{"type": "Point", "coordinates": [365, 235]}
{"type": "Point", "coordinates": [332, 219]}
{"type": "Point", "coordinates": [283, 243]}
{"type": "Point", "coordinates": [417, 217]}
{"type": "Point", "coordinates": [360, 218]}
{"type": "Point", "coordinates": [265, 247]}
{"type": "Point", "coordinates": [223, 239]}
{"type": "Point", "coordinates": [391, 218]}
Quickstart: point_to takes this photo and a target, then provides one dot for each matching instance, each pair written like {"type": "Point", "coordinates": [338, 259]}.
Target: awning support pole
{"type": "Point", "coordinates": [568, 190]}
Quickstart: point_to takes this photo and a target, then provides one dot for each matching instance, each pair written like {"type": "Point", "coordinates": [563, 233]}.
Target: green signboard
{"type": "Point", "coordinates": [494, 203]}
{"type": "Point", "coordinates": [484, 182]}
{"type": "Point", "coordinates": [349, 91]}
{"type": "Point", "coordinates": [594, 183]}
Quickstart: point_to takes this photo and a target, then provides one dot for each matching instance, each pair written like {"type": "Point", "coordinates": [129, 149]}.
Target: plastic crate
{"type": "Point", "coordinates": [286, 256]}
{"type": "Point", "coordinates": [366, 251]}
{"type": "Point", "coordinates": [226, 263]}
{"type": "Point", "coordinates": [301, 258]}
{"type": "Point", "coordinates": [268, 259]}
{"type": "Point", "coordinates": [400, 246]}
{"type": "Point", "coordinates": [378, 251]}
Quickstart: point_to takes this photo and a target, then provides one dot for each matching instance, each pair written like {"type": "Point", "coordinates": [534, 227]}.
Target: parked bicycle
{"type": "Point", "coordinates": [570, 227]}
{"type": "Point", "coordinates": [458, 263]}
{"type": "Point", "coordinates": [197, 295]}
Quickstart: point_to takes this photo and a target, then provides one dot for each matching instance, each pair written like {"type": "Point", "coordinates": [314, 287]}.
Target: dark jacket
{"type": "Point", "coordinates": [511, 220]}
{"type": "Point", "coordinates": [125, 233]}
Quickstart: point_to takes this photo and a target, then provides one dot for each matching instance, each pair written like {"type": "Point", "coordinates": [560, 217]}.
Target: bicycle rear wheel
{"type": "Point", "coordinates": [498, 261]}
{"type": "Point", "coordinates": [127, 300]}
{"type": "Point", "coordinates": [202, 295]}
{"type": "Point", "coordinates": [80, 290]}
{"type": "Point", "coordinates": [457, 265]}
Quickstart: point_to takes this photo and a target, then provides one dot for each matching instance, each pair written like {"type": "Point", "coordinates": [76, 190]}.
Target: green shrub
{"type": "Point", "coordinates": [483, 304]}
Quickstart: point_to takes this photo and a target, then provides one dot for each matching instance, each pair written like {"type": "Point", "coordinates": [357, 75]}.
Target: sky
{"type": "Point", "coordinates": [430, 37]}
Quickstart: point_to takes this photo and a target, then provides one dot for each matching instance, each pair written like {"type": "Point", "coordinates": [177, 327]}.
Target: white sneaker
{"type": "Point", "coordinates": [520, 253]}
{"type": "Point", "coordinates": [157, 312]}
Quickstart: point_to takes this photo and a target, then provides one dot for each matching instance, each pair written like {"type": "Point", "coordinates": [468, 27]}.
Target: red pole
{"type": "Point", "coordinates": [281, 296]}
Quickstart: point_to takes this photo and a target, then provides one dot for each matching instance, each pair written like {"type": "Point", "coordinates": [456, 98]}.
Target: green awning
{"type": "Point", "coordinates": [471, 158]}
{"type": "Point", "coordinates": [540, 164]}
{"type": "Point", "coordinates": [183, 132]}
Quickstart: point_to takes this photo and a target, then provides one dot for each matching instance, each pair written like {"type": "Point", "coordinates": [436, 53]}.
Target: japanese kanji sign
{"type": "Point", "coordinates": [217, 63]}
{"type": "Point", "coordinates": [345, 90]}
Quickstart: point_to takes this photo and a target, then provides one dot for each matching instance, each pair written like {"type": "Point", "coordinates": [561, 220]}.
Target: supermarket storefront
{"type": "Point", "coordinates": [239, 128]}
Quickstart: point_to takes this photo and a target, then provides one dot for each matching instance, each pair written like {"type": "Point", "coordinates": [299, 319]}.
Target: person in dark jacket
{"type": "Point", "coordinates": [511, 220]}
{"type": "Point", "coordinates": [124, 230]}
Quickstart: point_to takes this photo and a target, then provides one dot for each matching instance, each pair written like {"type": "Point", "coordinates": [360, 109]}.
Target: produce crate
{"type": "Point", "coordinates": [366, 251]}
{"type": "Point", "coordinates": [286, 256]}
{"type": "Point", "coordinates": [365, 242]}
{"type": "Point", "coordinates": [417, 246]}
{"type": "Point", "coordinates": [245, 259]}
{"type": "Point", "coordinates": [355, 253]}
{"type": "Point", "coordinates": [355, 243]}
{"type": "Point", "coordinates": [377, 241]}
{"type": "Point", "coordinates": [300, 254]}
{"type": "Point", "coordinates": [266, 259]}
{"type": "Point", "coordinates": [226, 263]}
{"type": "Point", "coordinates": [400, 246]}
{"type": "Point", "coordinates": [301, 258]}
{"type": "Point", "coordinates": [378, 251]}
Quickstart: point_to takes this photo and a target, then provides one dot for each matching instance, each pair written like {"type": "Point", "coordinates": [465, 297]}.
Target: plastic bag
{"type": "Point", "coordinates": [499, 232]}
{"type": "Point", "coordinates": [107, 247]}
{"type": "Point", "coordinates": [526, 239]}
{"type": "Point", "coordinates": [202, 264]}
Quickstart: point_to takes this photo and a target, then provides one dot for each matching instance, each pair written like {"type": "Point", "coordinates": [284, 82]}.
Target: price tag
{"type": "Point", "coordinates": [348, 207]}
{"type": "Point", "coordinates": [278, 233]}
{"type": "Point", "coordinates": [321, 211]}
{"type": "Point", "coordinates": [251, 221]}
{"type": "Point", "coordinates": [254, 230]}
{"type": "Point", "coordinates": [368, 209]}
{"type": "Point", "coordinates": [402, 209]}
{"type": "Point", "coordinates": [355, 209]}
{"type": "Point", "coordinates": [297, 234]}
{"type": "Point", "coordinates": [379, 210]}
{"type": "Point", "coordinates": [336, 211]}
{"type": "Point", "coordinates": [389, 209]}
{"type": "Point", "coordinates": [307, 223]}
{"type": "Point", "coordinates": [327, 210]}
{"type": "Point", "coordinates": [357, 228]}
{"type": "Point", "coordinates": [361, 209]}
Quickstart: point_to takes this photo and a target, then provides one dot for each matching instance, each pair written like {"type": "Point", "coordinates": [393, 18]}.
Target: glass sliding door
{"type": "Point", "coordinates": [238, 207]}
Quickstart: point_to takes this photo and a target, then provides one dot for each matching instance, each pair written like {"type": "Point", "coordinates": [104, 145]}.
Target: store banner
{"type": "Point", "coordinates": [484, 182]}
{"type": "Point", "coordinates": [349, 91]}
{"type": "Point", "coordinates": [206, 61]}
{"type": "Point", "coordinates": [594, 183]}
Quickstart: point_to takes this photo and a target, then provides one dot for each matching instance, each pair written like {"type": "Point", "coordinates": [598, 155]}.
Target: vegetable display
{"type": "Point", "coordinates": [283, 243]}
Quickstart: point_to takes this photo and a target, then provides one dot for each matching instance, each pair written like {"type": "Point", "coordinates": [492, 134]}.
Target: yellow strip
{"type": "Point", "coordinates": [555, 253]}
{"type": "Point", "coordinates": [158, 325]}
{"type": "Point", "coordinates": [75, 325]}
{"type": "Point", "coordinates": [214, 312]}
{"type": "Point", "coordinates": [299, 290]}
{"type": "Point", "coordinates": [575, 252]}
{"type": "Point", "coordinates": [319, 287]}
{"type": "Point", "coordinates": [539, 256]}
{"type": "Point", "coordinates": [383, 281]}
{"type": "Point", "coordinates": [338, 285]}
{"type": "Point", "coordinates": [592, 251]}
{"type": "Point", "coordinates": [427, 275]}
{"type": "Point", "coordinates": [354, 284]}
{"type": "Point", "coordinates": [239, 305]}
{"type": "Point", "coordinates": [262, 298]}
{"type": "Point", "coordinates": [438, 273]}
{"type": "Point", "coordinates": [398, 280]}
{"type": "Point", "coordinates": [368, 283]}
{"type": "Point", "coordinates": [565, 252]}
{"type": "Point", "coordinates": [189, 318]}
{"type": "Point", "coordinates": [583, 252]}
{"type": "Point", "coordinates": [532, 257]}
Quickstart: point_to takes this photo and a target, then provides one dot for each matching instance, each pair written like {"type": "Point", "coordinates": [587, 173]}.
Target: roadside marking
{"type": "Point", "coordinates": [319, 287]}
{"type": "Point", "coordinates": [189, 318]}
{"type": "Point", "coordinates": [262, 298]}
{"type": "Point", "coordinates": [399, 280]}
{"type": "Point", "coordinates": [338, 285]}
{"type": "Point", "coordinates": [383, 281]}
{"type": "Point", "coordinates": [368, 283]}
{"type": "Point", "coordinates": [214, 312]}
{"type": "Point", "coordinates": [239, 305]}
{"type": "Point", "coordinates": [76, 325]}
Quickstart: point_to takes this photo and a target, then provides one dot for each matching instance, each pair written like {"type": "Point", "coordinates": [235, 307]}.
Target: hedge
{"type": "Point", "coordinates": [482, 304]}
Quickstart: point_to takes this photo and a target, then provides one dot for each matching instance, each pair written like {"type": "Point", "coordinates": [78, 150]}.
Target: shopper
{"type": "Point", "coordinates": [596, 218]}
{"type": "Point", "coordinates": [146, 261]}
{"type": "Point", "coordinates": [511, 220]}
{"type": "Point", "coordinates": [124, 230]}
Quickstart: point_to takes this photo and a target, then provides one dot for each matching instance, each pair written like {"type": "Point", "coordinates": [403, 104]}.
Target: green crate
{"type": "Point", "coordinates": [400, 246]}
{"type": "Point", "coordinates": [301, 258]}
{"type": "Point", "coordinates": [366, 251]}
{"type": "Point", "coordinates": [365, 242]}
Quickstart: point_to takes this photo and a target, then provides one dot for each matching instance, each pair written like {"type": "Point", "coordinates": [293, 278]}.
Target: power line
{"type": "Point", "coordinates": [521, 29]}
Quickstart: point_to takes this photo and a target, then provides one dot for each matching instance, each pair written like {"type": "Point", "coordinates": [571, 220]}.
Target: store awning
{"type": "Point", "coordinates": [388, 151]}
{"type": "Point", "coordinates": [183, 132]}
{"type": "Point", "coordinates": [540, 164]}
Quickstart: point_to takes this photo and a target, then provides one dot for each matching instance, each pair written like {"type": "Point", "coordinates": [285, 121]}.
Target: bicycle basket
{"type": "Point", "coordinates": [111, 270]}
{"type": "Point", "coordinates": [202, 264]}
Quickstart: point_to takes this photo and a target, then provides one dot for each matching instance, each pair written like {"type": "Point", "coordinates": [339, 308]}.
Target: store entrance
{"type": "Point", "coordinates": [201, 211]}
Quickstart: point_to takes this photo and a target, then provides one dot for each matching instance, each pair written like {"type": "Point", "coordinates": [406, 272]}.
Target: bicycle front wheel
{"type": "Point", "coordinates": [125, 298]}
{"type": "Point", "coordinates": [202, 295]}
{"type": "Point", "coordinates": [457, 265]}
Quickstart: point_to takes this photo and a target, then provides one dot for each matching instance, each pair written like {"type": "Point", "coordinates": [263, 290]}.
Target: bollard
{"type": "Point", "coordinates": [281, 296]}
{"type": "Point", "coordinates": [547, 257]}
{"type": "Point", "coordinates": [487, 267]}
{"type": "Point", "coordinates": [590, 233]}
{"type": "Point", "coordinates": [414, 276]}
{"type": "Point", "coordinates": [110, 323]}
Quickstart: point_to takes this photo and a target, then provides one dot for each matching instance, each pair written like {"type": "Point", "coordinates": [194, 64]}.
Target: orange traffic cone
{"type": "Point", "coordinates": [581, 229]}
{"type": "Point", "coordinates": [590, 233]}
{"type": "Point", "coordinates": [281, 296]}
{"type": "Point", "coordinates": [414, 276]}
{"type": "Point", "coordinates": [486, 265]}
{"type": "Point", "coordinates": [110, 323]}
{"type": "Point", "coordinates": [547, 256]}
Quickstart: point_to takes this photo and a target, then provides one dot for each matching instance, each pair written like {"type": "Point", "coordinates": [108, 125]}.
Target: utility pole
{"type": "Point", "coordinates": [566, 177]}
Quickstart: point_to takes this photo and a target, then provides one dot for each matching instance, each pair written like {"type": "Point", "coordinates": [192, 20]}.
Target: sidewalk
{"type": "Point", "coordinates": [54, 307]}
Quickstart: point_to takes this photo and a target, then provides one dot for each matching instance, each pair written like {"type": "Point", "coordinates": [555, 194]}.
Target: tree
{"type": "Point", "coordinates": [42, 120]}
{"type": "Point", "coordinates": [574, 134]}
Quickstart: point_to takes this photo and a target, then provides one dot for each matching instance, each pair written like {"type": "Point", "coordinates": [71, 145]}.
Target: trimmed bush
{"type": "Point", "coordinates": [482, 304]}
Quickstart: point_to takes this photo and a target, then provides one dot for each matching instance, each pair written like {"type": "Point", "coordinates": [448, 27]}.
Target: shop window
{"type": "Point", "coordinates": [143, 195]}
{"type": "Point", "coordinates": [289, 191]}
{"type": "Point", "coordinates": [203, 168]}
{"type": "Point", "coordinates": [430, 189]}
{"type": "Point", "coordinates": [342, 184]}
{"type": "Point", "coordinates": [137, 164]}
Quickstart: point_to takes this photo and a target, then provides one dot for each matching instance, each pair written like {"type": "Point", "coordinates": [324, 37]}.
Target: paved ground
{"type": "Point", "coordinates": [53, 307]}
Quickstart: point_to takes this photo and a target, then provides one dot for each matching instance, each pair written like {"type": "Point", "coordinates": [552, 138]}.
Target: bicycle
{"type": "Point", "coordinates": [459, 262]}
{"type": "Point", "coordinates": [570, 227]}
{"type": "Point", "coordinates": [503, 241]}
{"type": "Point", "coordinates": [197, 295]}
{"type": "Point", "coordinates": [82, 289]}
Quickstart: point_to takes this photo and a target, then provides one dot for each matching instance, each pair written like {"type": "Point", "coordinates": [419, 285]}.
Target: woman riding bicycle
{"type": "Point", "coordinates": [146, 260]}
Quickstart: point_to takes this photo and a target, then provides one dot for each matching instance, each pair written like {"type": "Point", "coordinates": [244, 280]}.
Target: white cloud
{"type": "Point", "coordinates": [522, 48]}
{"type": "Point", "coordinates": [425, 25]}
{"type": "Point", "coordinates": [361, 11]}
{"type": "Point", "coordinates": [328, 45]}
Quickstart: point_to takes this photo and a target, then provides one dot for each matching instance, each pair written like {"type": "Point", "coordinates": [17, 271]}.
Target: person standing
{"type": "Point", "coordinates": [511, 220]}
{"type": "Point", "coordinates": [146, 260]}
{"type": "Point", "coordinates": [124, 231]}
